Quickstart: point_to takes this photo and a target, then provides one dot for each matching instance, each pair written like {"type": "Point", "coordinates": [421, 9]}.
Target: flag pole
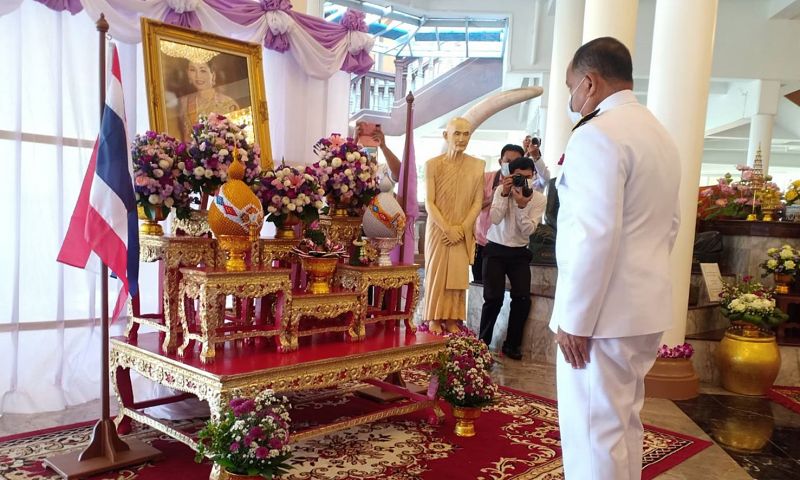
{"type": "Point", "coordinates": [406, 155]}
{"type": "Point", "coordinates": [106, 451]}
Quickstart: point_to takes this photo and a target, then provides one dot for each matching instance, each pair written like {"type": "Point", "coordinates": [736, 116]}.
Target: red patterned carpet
{"type": "Point", "coordinates": [517, 438]}
{"type": "Point", "coordinates": [789, 397]}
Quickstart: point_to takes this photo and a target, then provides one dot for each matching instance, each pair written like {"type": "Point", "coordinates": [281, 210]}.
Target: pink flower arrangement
{"type": "Point", "coordinates": [729, 198]}
{"type": "Point", "coordinates": [678, 351]}
{"type": "Point", "coordinates": [250, 438]}
{"type": "Point", "coordinates": [347, 174]}
{"type": "Point", "coordinates": [159, 183]}
{"type": "Point", "coordinates": [317, 244]}
{"type": "Point", "coordinates": [211, 152]}
{"type": "Point", "coordinates": [287, 191]}
{"type": "Point", "coordinates": [463, 372]}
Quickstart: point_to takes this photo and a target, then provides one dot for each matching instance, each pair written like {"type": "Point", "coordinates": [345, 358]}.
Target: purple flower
{"type": "Point", "coordinates": [262, 453]}
{"type": "Point", "coordinates": [235, 447]}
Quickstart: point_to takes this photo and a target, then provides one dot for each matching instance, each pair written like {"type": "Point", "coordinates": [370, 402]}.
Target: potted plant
{"type": "Point", "coordinates": [319, 256]}
{"type": "Point", "coordinates": [250, 439]}
{"type": "Point", "coordinates": [158, 179]}
{"type": "Point", "coordinates": [673, 376]}
{"type": "Point", "coordinates": [462, 373]}
{"type": "Point", "coordinates": [783, 264]}
{"type": "Point", "coordinates": [290, 197]}
{"type": "Point", "coordinates": [748, 355]}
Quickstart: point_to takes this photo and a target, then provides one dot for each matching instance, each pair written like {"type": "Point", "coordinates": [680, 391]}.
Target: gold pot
{"type": "Point", "coordinates": [320, 273]}
{"type": "Point", "coordinates": [465, 420]}
{"type": "Point", "coordinates": [748, 360]}
{"type": "Point", "coordinates": [286, 231]}
{"type": "Point", "coordinates": [235, 248]}
{"type": "Point", "coordinates": [151, 217]}
{"type": "Point", "coordinates": [226, 475]}
{"type": "Point", "coordinates": [782, 282]}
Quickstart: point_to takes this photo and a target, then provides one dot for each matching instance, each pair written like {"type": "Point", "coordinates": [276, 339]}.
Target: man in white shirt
{"type": "Point", "coordinates": [516, 211]}
{"type": "Point", "coordinates": [618, 217]}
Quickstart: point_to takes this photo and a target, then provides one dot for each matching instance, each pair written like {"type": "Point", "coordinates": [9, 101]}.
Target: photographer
{"type": "Point", "coordinates": [531, 145]}
{"type": "Point", "coordinates": [516, 211]}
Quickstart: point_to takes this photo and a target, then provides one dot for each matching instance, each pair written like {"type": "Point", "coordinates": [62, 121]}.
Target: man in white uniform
{"type": "Point", "coordinates": [616, 226]}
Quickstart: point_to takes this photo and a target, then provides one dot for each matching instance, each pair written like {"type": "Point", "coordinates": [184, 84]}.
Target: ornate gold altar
{"type": "Point", "coordinates": [174, 253]}
{"type": "Point", "coordinates": [385, 302]}
{"type": "Point", "coordinates": [212, 287]}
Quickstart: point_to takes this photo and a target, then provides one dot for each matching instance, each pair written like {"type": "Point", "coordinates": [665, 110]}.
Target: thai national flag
{"type": "Point", "coordinates": [104, 220]}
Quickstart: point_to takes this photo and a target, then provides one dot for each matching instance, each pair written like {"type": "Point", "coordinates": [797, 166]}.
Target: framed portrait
{"type": "Point", "coordinates": [190, 74]}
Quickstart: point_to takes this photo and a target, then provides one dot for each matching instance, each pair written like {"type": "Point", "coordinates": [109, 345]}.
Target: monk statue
{"type": "Point", "coordinates": [454, 196]}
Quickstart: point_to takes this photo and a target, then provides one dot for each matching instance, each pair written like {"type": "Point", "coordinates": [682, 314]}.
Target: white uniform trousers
{"type": "Point", "coordinates": [598, 408]}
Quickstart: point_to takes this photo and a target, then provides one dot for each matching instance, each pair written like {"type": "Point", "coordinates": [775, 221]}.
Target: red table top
{"type": "Point", "coordinates": [234, 360]}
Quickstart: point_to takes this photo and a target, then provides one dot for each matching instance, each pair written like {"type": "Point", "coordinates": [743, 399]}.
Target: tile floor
{"type": "Point", "coordinates": [769, 430]}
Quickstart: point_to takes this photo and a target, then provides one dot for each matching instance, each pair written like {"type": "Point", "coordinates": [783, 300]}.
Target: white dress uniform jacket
{"type": "Point", "coordinates": [617, 222]}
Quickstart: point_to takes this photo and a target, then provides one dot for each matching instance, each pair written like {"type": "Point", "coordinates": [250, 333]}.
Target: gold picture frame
{"type": "Point", "coordinates": [188, 72]}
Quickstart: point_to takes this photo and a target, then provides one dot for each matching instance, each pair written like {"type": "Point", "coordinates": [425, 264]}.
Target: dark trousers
{"type": "Point", "coordinates": [477, 264]}
{"type": "Point", "coordinates": [500, 262]}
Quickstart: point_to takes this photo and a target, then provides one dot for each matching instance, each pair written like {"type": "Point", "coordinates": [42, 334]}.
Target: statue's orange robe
{"type": "Point", "coordinates": [454, 195]}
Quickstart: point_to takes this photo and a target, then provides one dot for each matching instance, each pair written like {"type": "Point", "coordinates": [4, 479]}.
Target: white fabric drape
{"type": "Point", "coordinates": [49, 330]}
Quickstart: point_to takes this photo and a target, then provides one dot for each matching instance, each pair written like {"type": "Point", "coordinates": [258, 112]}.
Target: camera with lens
{"type": "Point", "coordinates": [521, 182]}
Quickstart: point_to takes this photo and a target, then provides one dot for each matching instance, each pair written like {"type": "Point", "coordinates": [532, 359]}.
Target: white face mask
{"type": "Point", "coordinates": [575, 117]}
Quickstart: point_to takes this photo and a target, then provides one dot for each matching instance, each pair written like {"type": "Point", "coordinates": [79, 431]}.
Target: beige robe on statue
{"type": "Point", "coordinates": [454, 196]}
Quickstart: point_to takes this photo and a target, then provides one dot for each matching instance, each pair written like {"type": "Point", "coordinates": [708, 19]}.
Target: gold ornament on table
{"type": "Point", "coordinates": [236, 216]}
{"type": "Point", "coordinates": [319, 256]}
{"type": "Point", "coordinates": [151, 218]}
{"type": "Point", "coordinates": [756, 183]}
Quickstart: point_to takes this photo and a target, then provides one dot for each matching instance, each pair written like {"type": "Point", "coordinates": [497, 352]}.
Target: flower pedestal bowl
{"type": "Point", "coordinates": [465, 420]}
{"type": "Point", "coordinates": [384, 246]}
{"type": "Point", "coordinates": [286, 230]}
{"type": "Point", "coordinates": [320, 272]}
{"type": "Point", "coordinates": [782, 282]}
{"type": "Point", "coordinates": [151, 217]}
{"type": "Point", "coordinates": [235, 248]}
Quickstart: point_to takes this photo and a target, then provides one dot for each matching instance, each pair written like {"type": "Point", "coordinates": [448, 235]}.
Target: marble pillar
{"type": "Point", "coordinates": [611, 18]}
{"type": "Point", "coordinates": [680, 71]}
{"type": "Point", "coordinates": [566, 39]}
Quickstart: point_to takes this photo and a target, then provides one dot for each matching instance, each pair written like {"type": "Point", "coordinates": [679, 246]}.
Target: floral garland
{"type": "Point", "coordinates": [463, 372]}
{"type": "Point", "coordinates": [159, 182]}
{"type": "Point", "coordinates": [317, 244]}
{"type": "Point", "coordinates": [250, 438]}
{"type": "Point", "coordinates": [213, 140]}
{"type": "Point", "coordinates": [347, 174]}
{"type": "Point", "coordinates": [287, 191]}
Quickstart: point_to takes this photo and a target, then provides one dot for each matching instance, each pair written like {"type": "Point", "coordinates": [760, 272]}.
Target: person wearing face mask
{"type": "Point", "coordinates": [515, 212]}
{"type": "Point", "coordinates": [618, 218]}
{"type": "Point", "coordinates": [490, 182]}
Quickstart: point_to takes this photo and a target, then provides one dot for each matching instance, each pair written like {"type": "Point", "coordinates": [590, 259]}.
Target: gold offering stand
{"type": "Point", "coordinates": [384, 302]}
{"type": "Point", "coordinates": [323, 310]}
{"type": "Point", "coordinates": [212, 287]}
{"type": "Point", "coordinates": [174, 254]}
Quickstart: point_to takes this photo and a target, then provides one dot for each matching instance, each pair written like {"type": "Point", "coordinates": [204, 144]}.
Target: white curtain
{"type": "Point", "coordinates": [49, 330]}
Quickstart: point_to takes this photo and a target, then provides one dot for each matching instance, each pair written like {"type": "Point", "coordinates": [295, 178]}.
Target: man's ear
{"type": "Point", "coordinates": [444, 134]}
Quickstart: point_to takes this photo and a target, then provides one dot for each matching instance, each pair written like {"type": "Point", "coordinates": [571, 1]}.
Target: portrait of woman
{"type": "Point", "coordinates": [199, 82]}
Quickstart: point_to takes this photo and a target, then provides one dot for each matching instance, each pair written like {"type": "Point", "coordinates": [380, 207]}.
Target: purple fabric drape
{"type": "Point", "coordinates": [185, 19]}
{"type": "Point", "coordinates": [360, 63]}
{"type": "Point", "coordinates": [73, 6]}
{"type": "Point", "coordinates": [245, 13]}
{"type": "Point", "coordinates": [325, 33]}
{"type": "Point", "coordinates": [354, 20]}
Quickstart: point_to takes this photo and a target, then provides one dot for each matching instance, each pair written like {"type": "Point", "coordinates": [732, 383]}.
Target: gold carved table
{"type": "Point", "coordinates": [175, 253]}
{"type": "Point", "coordinates": [248, 370]}
{"type": "Point", "coordinates": [324, 309]}
{"type": "Point", "coordinates": [272, 250]}
{"type": "Point", "coordinates": [386, 302]}
{"type": "Point", "coordinates": [212, 287]}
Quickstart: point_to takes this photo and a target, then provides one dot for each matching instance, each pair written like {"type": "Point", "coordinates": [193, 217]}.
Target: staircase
{"type": "Point", "coordinates": [380, 98]}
